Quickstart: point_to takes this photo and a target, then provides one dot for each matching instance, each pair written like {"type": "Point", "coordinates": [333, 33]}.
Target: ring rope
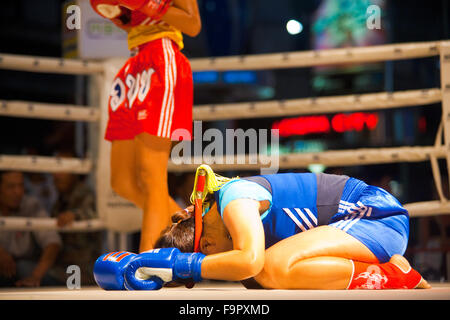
{"type": "Point", "coordinates": [45, 164]}
{"type": "Point", "coordinates": [435, 165]}
{"type": "Point", "coordinates": [40, 224]}
{"type": "Point", "coordinates": [301, 59]}
{"type": "Point", "coordinates": [257, 109]}
{"type": "Point", "coordinates": [331, 104]}
{"type": "Point", "coordinates": [49, 111]}
{"type": "Point", "coordinates": [332, 158]}
{"type": "Point", "coordinates": [49, 65]}
{"type": "Point", "coordinates": [295, 59]}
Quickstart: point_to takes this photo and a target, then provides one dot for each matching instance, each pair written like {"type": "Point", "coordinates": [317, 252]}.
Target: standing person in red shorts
{"type": "Point", "coordinates": [151, 96]}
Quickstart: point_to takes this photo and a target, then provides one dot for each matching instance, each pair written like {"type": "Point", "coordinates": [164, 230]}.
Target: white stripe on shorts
{"type": "Point", "coordinates": [354, 217]}
{"type": "Point", "coordinates": [165, 119]}
{"type": "Point", "coordinates": [354, 220]}
{"type": "Point", "coordinates": [347, 207]}
{"type": "Point", "coordinates": [174, 82]}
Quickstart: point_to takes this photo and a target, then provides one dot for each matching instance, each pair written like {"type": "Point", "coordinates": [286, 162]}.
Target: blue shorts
{"type": "Point", "coordinates": [374, 217]}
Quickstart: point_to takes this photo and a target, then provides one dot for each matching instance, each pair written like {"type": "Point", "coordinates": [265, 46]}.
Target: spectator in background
{"type": "Point", "coordinates": [39, 184]}
{"type": "Point", "coordinates": [26, 257]}
{"type": "Point", "coordinates": [75, 202]}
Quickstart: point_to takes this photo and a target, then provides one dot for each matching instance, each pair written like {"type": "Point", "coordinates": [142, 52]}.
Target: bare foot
{"type": "Point", "coordinates": [404, 265]}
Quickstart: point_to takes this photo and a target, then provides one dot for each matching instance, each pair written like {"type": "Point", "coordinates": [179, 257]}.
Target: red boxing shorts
{"type": "Point", "coordinates": [152, 93]}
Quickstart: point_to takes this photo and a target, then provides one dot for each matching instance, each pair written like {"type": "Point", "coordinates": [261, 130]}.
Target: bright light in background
{"type": "Point", "coordinates": [294, 27]}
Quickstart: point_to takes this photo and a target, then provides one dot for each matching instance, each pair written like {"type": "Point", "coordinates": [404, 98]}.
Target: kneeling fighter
{"type": "Point", "coordinates": [281, 231]}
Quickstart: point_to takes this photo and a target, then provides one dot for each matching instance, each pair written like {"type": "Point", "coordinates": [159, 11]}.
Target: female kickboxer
{"type": "Point", "coordinates": [281, 231]}
{"type": "Point", "coordinates": [299, 231]}
{"type": "Point", "coordinates": [151, 96]}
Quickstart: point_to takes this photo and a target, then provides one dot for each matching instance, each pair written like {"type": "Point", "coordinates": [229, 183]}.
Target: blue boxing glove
{"type": "Point", "coordinates": [162, 266]}
{"type": "Point", "coordinates": [109, 269]}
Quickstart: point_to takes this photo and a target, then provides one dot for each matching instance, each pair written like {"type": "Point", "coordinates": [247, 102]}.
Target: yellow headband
{"type": "Point", "coordinates": [213, 182]}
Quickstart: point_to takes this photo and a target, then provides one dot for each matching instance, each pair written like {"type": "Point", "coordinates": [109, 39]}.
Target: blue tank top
{"type": "Point", "coordinates": [293, 208]}
{"type": "Point", "coordinates": [293, 199]}
{"type": "Point", "coordinates": [302, 201]}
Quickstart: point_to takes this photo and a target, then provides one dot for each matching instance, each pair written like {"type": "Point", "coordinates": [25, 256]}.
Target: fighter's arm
{"type": "Point", "coordinates": [110, 9]}
{"type": "Point", "coordinates": [184, 15]}
{"type": "Point", "coordinates": [150, 270]}
{"type": "Point", "coordinates": [181, 14]}
{"type": "Point", "coordinates": [243, 221]}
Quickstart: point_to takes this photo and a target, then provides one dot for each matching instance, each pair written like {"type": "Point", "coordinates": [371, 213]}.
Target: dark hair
{"type": "Point", "coordinates": [180, 234]}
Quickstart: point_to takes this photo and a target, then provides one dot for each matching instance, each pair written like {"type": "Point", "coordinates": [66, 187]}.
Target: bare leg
{"type": "Point", "coordinates": [124, 172]}
{"type": "Point", "coordinates": [328, 258]}
{"type": "Point", "coordinates": [173, 206]}
{"type": "Point", "coordinates": [319, 258]}
{"type": "Point", "coordinates": [324, 273]}
{"type": "Point", "coordinates": [152, 154]}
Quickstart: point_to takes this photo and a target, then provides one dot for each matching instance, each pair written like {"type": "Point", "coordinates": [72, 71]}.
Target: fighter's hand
{"type": "Point", "coordinates": [154, 9]}
{"type": "Point", "coordinates": [109, 269]}
{"type": "Point", "coordinates": [109, 9]}
{"type": "Point", "coordinates": [132, 4]}
{"type": "Point", "coordinates": [152, 269]}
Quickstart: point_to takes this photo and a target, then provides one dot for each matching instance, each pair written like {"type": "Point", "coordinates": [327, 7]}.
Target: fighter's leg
{"type": "Point", "coordinates": [318, 258]}
{"type": "Point", "coordinates": [173, 206]}
{"type": "Point", "coordinates": [124, 171]}
{"type": "Point", "coordinates": [152, 156]}
{"type": "Point", "coordinates": [328, 258]}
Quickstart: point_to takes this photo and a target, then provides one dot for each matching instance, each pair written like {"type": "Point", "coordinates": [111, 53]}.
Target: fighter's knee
{"type": "Point", "coordinates": [276, 266]}
{"type": "Point", "coordinates": [273, 274]}
{"type": "Point", "coordinates": [148, 177]}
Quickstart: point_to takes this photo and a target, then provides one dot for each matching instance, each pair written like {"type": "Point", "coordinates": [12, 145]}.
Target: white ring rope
{"type": "Point", "coordinates": [297, 59]}
{"type": "Point", "coordinates": [45, 164]}
{"type": "Point", "coordinates": [333, 104]}
{"type": "Point", "coordinates": [332, 158]}
{"type": "Point", "coordinates": [371, 101]}
{"type": "Point", "coordinates": [48, 111]}
{"type": "Point", "coordinates": [257, 109]}
{"type": "Point", "coordinates": [40, 224]}
{"type": "Point", "coordinates": [302, 59]}
{"type": "Point", "coordinates": [49, 65]}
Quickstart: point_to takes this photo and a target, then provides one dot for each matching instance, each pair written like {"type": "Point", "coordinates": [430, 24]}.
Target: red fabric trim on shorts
{"type": "Point", "coordinates": [152, 93]}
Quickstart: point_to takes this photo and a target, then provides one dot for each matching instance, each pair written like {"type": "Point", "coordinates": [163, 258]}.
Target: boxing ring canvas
{"type": "Point", "coordinates": [117, 216]}
{"type": "Point", "coordinates": [215, 290]}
